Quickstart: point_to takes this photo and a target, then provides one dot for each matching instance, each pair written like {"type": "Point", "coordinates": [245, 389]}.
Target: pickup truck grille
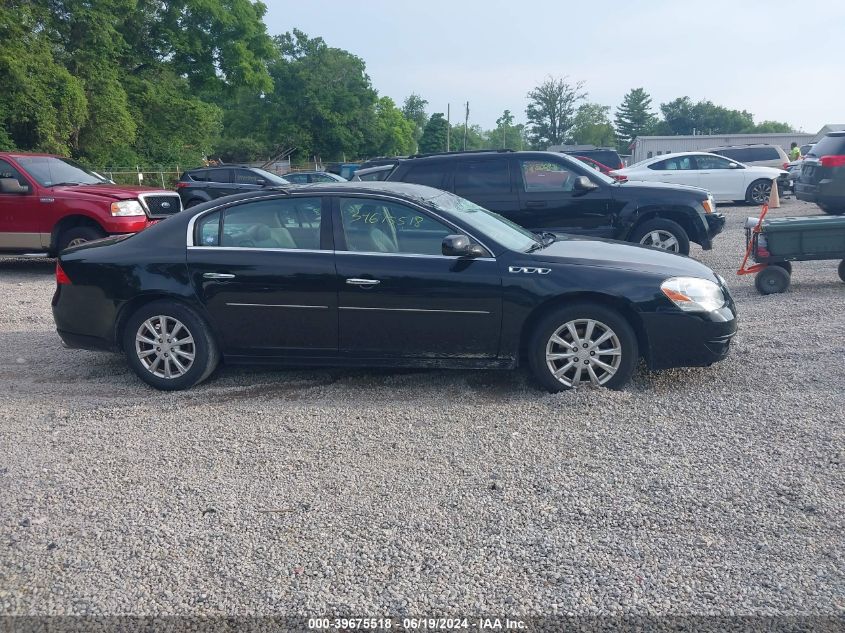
{"type": "Point", "coordinates": [161, 205]}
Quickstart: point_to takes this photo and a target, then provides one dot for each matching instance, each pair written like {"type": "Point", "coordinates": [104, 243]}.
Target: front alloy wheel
{"type": "Point", "coordinates": [582, 344]}
{"type": "Point", "coordinates": [583, 351]}
{"type": "Point", "coordinates": [661, 239]}
{"type": "Point", "coordinates": [165, 347]}
{"type": "Point", "coordinates": [759, 191]}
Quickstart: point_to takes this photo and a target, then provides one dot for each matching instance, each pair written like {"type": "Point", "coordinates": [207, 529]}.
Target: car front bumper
{"type": "Point", "coordinates": [682, 339]}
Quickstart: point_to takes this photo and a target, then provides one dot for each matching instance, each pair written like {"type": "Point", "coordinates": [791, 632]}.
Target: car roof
{"type": "Point", "coordinates": [30, 154]}
{"type": "Point", "coordinates": [477, 154]}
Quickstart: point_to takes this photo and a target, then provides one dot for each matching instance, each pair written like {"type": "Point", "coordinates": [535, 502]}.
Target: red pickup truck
{"type": "Point", "coordinates": [48, 203]}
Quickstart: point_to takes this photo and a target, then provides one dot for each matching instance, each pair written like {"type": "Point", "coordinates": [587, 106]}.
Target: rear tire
{"type": "Point", "coordinates": [832, 211]}
{"type": "Point", "coordinates": [76, 236]}
{"type": "Point", "coordinates": [842, 270]}
{"type": "Point", "coordinates": [661, 233]}
{"type": "Point", "coordinates": [772, 280]}
{"type": "Point", "coordinates": [758, 192]}
{"type": "Point", "coordinates": [169, 346]}
{"type": "Point", "coordinates": [553, 349]}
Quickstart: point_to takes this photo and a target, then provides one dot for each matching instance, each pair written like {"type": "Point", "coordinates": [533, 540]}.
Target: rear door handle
{"type": "Point", "coordinates": [535, 204]}
{"type": "Point", "coordinates": [362, 282]}
{"type": "Point", "coordinates": [218, 276]}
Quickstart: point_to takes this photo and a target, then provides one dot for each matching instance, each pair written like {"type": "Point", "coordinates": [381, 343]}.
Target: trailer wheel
{"type": "Point", "coordinates": [842, 270]}
{"type": "Point", "coordinates": [787, 266]}
{"type": "Point", "coordinates": [772, 280]}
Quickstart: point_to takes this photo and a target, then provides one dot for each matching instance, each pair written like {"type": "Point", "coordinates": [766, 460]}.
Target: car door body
{"type": "Point", "coordinates": [676, 170]}
{"type": "Point", "coordinates": [265, 298]}
{"type": "Point", "coordinates": [422, 306]}
{"type": "Point", "coordinates": [722, 177]}
{"type": "Point", "coordinates": [549, 200]}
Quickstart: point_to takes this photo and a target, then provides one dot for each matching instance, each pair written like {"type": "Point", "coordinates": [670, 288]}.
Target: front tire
{"type": "Point", "coordinates": [169, 346]}
{"type": "Point", "coordinates": [758, 192]}
{"type": "Point", "coordinates": [841, 270]}
{"type": "Point", "coordinates": [76, 236]}
{"type": "Point", "coordinates": [664, 234]}
{"type": "Point", "coordinates": [580, 345]}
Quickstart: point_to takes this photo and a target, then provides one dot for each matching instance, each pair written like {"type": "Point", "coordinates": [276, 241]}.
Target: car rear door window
{"type": "Point", "coordinates": [218, 175]}
{"type": "Point", "coordinates": [542, 175]}
{"type": "Point", "coordinates": [430, 174]}
{"type": "Point", "coordinates": [7, 171]}
{"type": "Point", "coordinates": [678, 163]}
{"type": "Point", "coordinates": [277, 223]}
{"type": "Point", "coordinates": [198, 176]}
{"type": "Point", "coordinates": [378, 226]}
{"type": "Point", "coordinates": [482, 177]}
{"type": "Point", "coordinates": [246, 177]}
{"type": "Point", "coordinates": [322, 178]}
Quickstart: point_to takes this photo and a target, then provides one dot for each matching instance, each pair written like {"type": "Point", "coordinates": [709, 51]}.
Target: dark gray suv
{"type": "Point", "coordinates": [207, 183]}
{"type": "Point", "coordinates": [822, 178]}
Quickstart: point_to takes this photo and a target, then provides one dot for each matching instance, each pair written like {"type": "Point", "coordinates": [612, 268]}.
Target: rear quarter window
{"type": "Point", "coordinates": [829, 145]}
{"type": "Point", "coordinates": [430, 174]}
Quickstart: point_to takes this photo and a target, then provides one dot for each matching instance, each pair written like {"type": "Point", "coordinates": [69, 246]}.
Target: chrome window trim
{"type": "Point", "coordinates": [192, 222]}
{"type": "Point", "coordinates": [371, 254]}
{"type": "Point", "coordinates": [305, 250]}
{"type": "Point", "coordinates": [251, 249]}
{"type": "Point", "coordinates": [414, 310]}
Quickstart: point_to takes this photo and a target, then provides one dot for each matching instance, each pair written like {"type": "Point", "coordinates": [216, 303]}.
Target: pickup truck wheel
{"type": "Point", "coordinates": [169, 346]}
{"type": "Point", "coordinates": [583, 344]}
{"type": "Point", "coordinates": [76, 236]}
{"type": "Point", "coordinates": [758, 191]}
{"type": "Point", "coordinates": [661, 233]}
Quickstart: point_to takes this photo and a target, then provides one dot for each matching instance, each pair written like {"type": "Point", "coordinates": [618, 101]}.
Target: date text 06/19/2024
{"type": "Point", "coordinates": [418, 624]}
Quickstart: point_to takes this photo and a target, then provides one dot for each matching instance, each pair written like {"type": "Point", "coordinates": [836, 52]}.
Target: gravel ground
{"type": "Point", "coordinates": [696, 491]}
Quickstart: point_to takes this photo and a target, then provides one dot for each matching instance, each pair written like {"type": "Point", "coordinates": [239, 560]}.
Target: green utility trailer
{"type": "Point", "coordinates": [774, 244]}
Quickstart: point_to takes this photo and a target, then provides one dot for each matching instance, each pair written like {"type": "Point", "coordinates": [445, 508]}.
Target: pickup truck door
{"type": "Point", "coordinates": [21, 225]}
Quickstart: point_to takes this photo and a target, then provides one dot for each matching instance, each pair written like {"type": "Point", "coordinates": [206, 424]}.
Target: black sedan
{"type": "Point", "coordinates": [384, 274]}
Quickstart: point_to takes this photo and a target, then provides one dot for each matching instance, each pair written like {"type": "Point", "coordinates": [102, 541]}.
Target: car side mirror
{"type": "Point", "coordinates": [261, 182]}
{"type": "Point", "coordinates": [733, 166]}
{"type": "Point", "coordinates": [584, 184]}
{"type": "Point", "coordinates": [11, 185]}
{"type": "Point", "coordinates": [460, 246]}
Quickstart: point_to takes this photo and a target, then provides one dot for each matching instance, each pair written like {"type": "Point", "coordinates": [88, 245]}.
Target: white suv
{"type": "Point", "coordinates": [759, 155]}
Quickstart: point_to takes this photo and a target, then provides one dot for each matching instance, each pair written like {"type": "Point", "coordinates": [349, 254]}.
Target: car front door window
{"type": "Point", "coordinates": [539, 175]}
{"type": "Point", "coordinates": [379, 226]}
{"type": "Point", "coordinates": [713, 162]}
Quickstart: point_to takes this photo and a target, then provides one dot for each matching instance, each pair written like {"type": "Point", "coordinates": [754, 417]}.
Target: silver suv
{"type": "Point", "coordinates": [761, 155]}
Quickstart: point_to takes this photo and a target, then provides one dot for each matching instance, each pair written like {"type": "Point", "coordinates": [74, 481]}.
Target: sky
{"type": "Point", "coordinates": [779, 60]}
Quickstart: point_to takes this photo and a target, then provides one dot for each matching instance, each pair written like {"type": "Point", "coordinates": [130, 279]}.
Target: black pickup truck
{"type": "Point", "coordinates": [547, 191]}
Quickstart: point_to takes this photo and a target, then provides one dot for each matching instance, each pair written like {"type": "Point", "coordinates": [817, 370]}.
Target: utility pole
{"type": "Point", "coordinates": [466, 123]}
{"type": "Point", "coordinates": [448, 124]}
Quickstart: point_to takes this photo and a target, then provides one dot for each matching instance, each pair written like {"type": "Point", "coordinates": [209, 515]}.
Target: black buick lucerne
{"type": "Point", "coordinates": [384, 274]}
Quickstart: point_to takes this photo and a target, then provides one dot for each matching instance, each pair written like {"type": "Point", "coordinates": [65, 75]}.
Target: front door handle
{"type": "Point", "coordinates": [535, 204]}
{"type": "Point", "coordinates": [218, 276]}
{"type": "Point", "coordinates": [362, 282]}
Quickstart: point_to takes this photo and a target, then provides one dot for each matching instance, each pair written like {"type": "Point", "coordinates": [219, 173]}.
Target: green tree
{"type": "Point", "coordinates": [414, 110]}
{"type": "Point", "coordinates": [391, 134]}
{"type": "Point", "coordinates": [771, 127]}
{"type": "Point", "coordinates": [592, 126]}
{"type": "Point", "coordinates": [433, 138]}
{"type": "Point", "coordinates": [634, 118]}
{"type": "Point", "coordinates": [551, 109]}
{"type": "Point", "coordinates": [474, 136]}
{"type": "Point", "coordinates": [682, 116]}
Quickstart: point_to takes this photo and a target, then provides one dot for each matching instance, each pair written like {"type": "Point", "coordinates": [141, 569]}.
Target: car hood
{"type": "Point", "coordinates": [112, 192]}
{"type": "Point", "coordinates": [586, 251]}
{"type": "Point", "coordinates": [765, 172]}
{"type": "Point", "coordinates": [644, 186]}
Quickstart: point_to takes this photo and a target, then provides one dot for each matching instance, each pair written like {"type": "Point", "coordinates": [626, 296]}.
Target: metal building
{"type": "Point", "coordinates": [645, 147]}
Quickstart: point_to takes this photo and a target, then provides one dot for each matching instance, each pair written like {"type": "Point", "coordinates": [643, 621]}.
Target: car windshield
{"type": "Point", "coordinates": [50, 171]}
{"type": "Point", "coordinates": [505, 232]}
{"type": "Point", "coordinates": [270, 177]}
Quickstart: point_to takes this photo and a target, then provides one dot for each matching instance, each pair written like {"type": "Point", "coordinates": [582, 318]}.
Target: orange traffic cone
{"type": "Point", "coordinates": [774, 196]}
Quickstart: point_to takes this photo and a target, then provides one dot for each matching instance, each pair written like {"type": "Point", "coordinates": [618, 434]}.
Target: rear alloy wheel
{"type": "Point", "coordinates": [758, 192]}
{"type": "Point", "coordinates": [169, 346]}
{"type": "Point", "coordinates": [585, 344]}
{"type": "Point", "coordinates": [772, 280]}
{"type": "Point", "coordinates": [663, 234]}
{"type": "Point", "coordinates": [78, 235]}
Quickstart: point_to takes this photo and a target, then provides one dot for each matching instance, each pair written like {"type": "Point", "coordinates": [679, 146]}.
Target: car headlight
{"type": "Point", "coordinates": [709, 204]}
{"type": "Point", "coordinates": [127, 207]}
{"type": "Point", "coordinates": [692, 294]}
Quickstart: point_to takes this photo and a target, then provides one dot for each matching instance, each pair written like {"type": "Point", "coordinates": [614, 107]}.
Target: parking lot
{"type": "Point", "coordinates": [694, 491]}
